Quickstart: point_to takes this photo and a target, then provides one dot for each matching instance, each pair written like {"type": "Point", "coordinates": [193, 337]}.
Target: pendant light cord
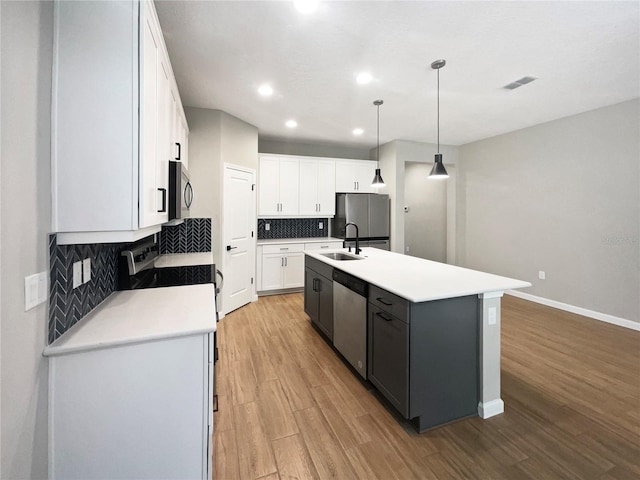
{"type": "Point", "coordinates": [378, 143]}
{"type": "Point", "coordinates": [438, 110]}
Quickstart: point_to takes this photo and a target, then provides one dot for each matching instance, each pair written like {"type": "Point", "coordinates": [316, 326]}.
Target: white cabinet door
{"type": "Point", "coordinates": [308, 187]}
{"type": "Point", "coordinates": [326, 187]}
{"type": "Point", "coordinates": [289, 186]}
{"type": "Point", "coordinates": [272, 266]}
{"type": "Point", "coordinates": [293, 272]}
{"type": "Point", "coordinates": [278, 186]}
{"type": "Point", "coordinates": [364, 172]}
{"type": "Point", "coordinates": [317, 187]}
{"type": "Point", "coordinates": [268, 186]}
{"type": "Point", "coordinates": [354, 176]}
{"type": "Point", "coordinates": [150, 122]}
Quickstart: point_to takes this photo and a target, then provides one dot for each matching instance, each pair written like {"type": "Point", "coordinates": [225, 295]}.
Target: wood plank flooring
{"type": "Point", "coordinates": [290, 409]}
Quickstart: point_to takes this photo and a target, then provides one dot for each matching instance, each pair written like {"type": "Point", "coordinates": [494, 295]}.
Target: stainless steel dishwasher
{"type": "Point", "coordinates": [350, 319]}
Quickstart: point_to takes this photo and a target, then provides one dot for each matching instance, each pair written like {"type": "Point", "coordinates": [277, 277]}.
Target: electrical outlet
{"type": "Point", "coordinates": [406, 249]}
{"type": "Point", "coordinates": [86, 270]}
{"type": "Point", "coordinates": [406, 209]}
{"type": "Point", "coordinates": [77, 274]}
{"type": "Point", "coordinates": [320, 225]}
{"type": "Point", "coordinates": [493, 315]}
{"type": "Point", "coordinates": [541, 275]}
{"type": "Point", "coordinates": [267, 227]}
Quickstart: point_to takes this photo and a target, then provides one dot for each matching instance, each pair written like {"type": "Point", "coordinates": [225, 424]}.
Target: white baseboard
{"type": "Point", "coordinates": [491, 409]}
{"type": "Point", "coordinates": [604, 317]}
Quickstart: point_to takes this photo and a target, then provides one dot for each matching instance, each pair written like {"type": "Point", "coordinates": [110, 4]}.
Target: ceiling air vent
{"type": "Point", "coordinates": [520, 82]}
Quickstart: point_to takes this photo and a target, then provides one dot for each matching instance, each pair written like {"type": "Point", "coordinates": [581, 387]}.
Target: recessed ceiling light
{"type": "Point", "coordinates": [363, 78]}
{"type": "Point", "coordinates": [291, 123]}
{"type": "Point", "coordinates": [358, 131]}
{"type": "Point", "coordinates": [306, 6]}
{"type": "Point", "coordinates": [265, 90]}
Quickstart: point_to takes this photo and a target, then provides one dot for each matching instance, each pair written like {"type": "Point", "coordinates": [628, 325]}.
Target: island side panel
{"type": "Point", "coordinates": [490, 403]}
{"type": "Point", "coordinates": [444, 367]}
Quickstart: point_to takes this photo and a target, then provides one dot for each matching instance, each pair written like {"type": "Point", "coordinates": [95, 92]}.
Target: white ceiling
{"type": "Point", "coordinates": [586, 55]}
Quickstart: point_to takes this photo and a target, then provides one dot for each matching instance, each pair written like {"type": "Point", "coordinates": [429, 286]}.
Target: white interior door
{"type": "Point", "coordinates": [238, 225]}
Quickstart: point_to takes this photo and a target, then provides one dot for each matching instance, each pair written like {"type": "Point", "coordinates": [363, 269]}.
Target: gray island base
{"type": "Point", "coordinates": [432, 332]}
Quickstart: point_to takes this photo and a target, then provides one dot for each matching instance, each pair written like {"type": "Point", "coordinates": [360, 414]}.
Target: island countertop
{"type": "Point", "coordinates": [134, 316]}
{"type": "Point", "coordinates": [416, 279]}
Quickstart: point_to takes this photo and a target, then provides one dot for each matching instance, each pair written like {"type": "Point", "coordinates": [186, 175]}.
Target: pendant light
{"type": "Point", "coordinates": [377, 178]}
{"type": "Point", "coordinates": [438, 170]}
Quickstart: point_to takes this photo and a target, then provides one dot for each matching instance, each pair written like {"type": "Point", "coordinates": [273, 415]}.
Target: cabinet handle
{"type": "Point", "coordinates": [179, 151]}
{"type": "Point", "coordinates": [382, 301]}
{"type": "Point", "coordinates": [188, 195]}
{"type": "Point", "coordinates": [229, 247]}
{"type": "Point", "coordinates": [355, 187]}
{"type": "Point", "coordinates": [282, 262]}
{"type": "Point", "coordinates": [215, 402]}
{"type": "Point", "coordinates": [324, 246]}
{"type": "Point", "coordinates": [286, 261]}
{"type": "Point", "coordinates": [164, 200]}
{"type": "Point", "coordinates": [284, 248]}
{"type": "Point", "coordinates": [384, 317]}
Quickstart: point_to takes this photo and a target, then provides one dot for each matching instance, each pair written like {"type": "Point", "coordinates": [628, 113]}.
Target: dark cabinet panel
{"type": "Point", "coordinates": [388, 357]}
{"type": "Point", "coordinates": [318, 296]}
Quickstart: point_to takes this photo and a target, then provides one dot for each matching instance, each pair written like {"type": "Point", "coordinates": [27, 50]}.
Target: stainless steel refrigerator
{"type": "Point", "coordinates": [369, 211]}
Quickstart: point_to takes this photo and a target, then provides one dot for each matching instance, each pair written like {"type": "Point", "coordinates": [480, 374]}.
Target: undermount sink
{"type": "Point", "coordinates": [340, 256]}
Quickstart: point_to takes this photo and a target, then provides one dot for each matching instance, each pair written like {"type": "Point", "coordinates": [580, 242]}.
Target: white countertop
{"type": "Point", "coordinates": [277, 241]}
{"type": "Point", "coordinates": [135, 316]}
{"type": "Point", "coordinates": [183, 259]}
{"type": "Point", "coordinates": [419, 280]}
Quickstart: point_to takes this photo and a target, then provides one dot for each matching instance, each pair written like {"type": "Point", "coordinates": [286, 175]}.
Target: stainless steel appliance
{"type": "Point", "coordinates": [180, 191]}
{"type": "Point", "coordinates": [369, 211]}
{"type": "Point", "coordinates": [350, 319]}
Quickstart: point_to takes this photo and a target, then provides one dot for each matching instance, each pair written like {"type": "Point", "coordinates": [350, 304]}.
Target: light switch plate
{"type": "Point", "coordinates": [35, 290]}
{"type": "Point", "coordinates": [267, 226]}
{"type": "Point", "coordinates": [86, 270]}
{"type": "Point", "coordinates": [77, 274]}
{"type": "Point", "coordinates": [493, 315]}
{"type": "Point", "coordinates": [320, 225]}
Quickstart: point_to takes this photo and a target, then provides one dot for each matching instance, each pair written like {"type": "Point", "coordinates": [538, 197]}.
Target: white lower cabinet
{"type": "Point", "coordinates": [141, 410]}
{"type": "Point", "coordinates": [281, 266]}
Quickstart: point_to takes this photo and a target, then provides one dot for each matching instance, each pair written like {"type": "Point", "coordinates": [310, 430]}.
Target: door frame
{"type": "Point", "coordinates": [252, 246]}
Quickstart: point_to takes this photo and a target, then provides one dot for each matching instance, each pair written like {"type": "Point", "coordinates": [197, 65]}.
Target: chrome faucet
{"type": "Point", "coordinates": [357, 236]}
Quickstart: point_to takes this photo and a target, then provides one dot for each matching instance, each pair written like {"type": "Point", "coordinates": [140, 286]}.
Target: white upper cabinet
{"type": "Point", "coordinates": [113, 122]}
{"type": "Point", "coordinates": [355, 176]}
{"type": "Point", "coordinates": [278, 186]}
{"type": "Point", "coordinates": [317, 187]}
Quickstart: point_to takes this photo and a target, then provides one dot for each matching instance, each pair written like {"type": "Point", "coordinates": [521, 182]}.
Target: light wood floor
{"type": "Point", "coordinates": [289, 408]}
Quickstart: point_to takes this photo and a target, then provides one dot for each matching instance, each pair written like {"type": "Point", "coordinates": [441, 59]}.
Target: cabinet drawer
{"type": "Point", "coordinates": [283, 248]}
{"type": "Point", "coordinates": [397, 306]}
{"type": "Point", "coordinates": [322, 246]}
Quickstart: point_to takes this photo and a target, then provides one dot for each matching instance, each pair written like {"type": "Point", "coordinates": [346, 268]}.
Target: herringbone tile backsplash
{"type": "Point", "coordinates": [68, 305]}
{"type": "Point", "coordinates": [191, 236]}
{"type": "Point", "coordinates": [292, 228]}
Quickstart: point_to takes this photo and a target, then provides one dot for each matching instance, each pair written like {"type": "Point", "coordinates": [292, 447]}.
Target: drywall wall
{"type": "Point", "coordinates": [393, 157]}
{"type": "Point", "coordinates": [216, 138]}
{"type": "Point", "coordinates": [313, 150]}
{"type": "Point", "coordinates": [425, 222]}
{"type": "Point", "coordinates": [26, 52]}
{"type": "Point", "coordinates": [563, 198]}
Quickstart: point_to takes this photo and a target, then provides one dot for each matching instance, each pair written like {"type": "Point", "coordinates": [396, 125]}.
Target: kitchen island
{"type": "Point", "coordinates": [433, 331]}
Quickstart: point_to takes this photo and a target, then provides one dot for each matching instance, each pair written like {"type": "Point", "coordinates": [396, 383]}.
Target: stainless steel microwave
{"type": "Point", "coordinates": [180, 191]}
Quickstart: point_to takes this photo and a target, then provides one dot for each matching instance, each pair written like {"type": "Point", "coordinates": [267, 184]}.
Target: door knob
{"type": "Point", "coordinates": [229, 247]}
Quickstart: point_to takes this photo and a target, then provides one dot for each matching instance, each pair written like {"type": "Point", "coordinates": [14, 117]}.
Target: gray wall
{"type": "Point", "coordinates": [27, 38]}
{"type": "Point", "coordinates": [393, 157]}
{"type": "Point", "coordinates": [425, 224]}
{"type": "Point", "coordinates": [562, 197]}
{"type": "Point", "coordinates": [313, 150]}
{"type": "Point", "coordinates": [216, 138]}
